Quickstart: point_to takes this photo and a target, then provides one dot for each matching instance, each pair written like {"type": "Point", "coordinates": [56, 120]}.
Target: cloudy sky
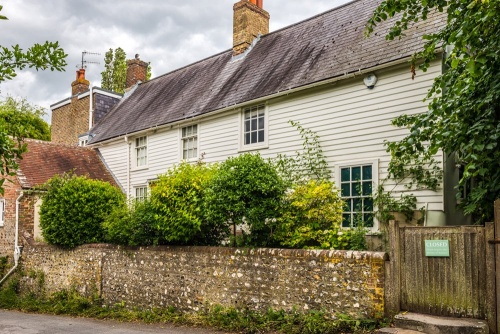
{"type": "Point", "coordinates": [168, 33]}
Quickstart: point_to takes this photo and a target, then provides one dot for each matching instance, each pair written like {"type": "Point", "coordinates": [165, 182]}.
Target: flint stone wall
{"type": "Point", "coordinates": [190, 278]}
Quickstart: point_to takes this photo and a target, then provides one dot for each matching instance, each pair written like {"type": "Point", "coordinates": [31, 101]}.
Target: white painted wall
{"type": "Point", "coordinates": [352, 121]}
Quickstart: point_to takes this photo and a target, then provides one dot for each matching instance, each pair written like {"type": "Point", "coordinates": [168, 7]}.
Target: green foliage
{"type": "Point", "coordinates": [463, 114]}
{"type": "Point", "coordinates": [387, 205]}
{"type": "Point", "coordinates": [132, 225]}
{"type": "Point", "coordinates": [311, 218]}
{"type": "Point", "coordinates": [20, 119]}
{"type": "Point", "coordinates": [245, 189]}
{"type": "Point", "coordinates": [306, 164]}
{"type": "Point", "coordinates": [40, 57]}
{"type": "Point", "coordinates": [177, 200]}
{"type": "Point", "coordinates": [74, 208]}
{"type": "Point", "coordinates": [114, 76]}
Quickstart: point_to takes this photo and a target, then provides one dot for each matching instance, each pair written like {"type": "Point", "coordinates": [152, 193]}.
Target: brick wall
{"type": "Point", "coordinates": [70, 120]}
{"type": "Point", "coordinates": [190, 277]}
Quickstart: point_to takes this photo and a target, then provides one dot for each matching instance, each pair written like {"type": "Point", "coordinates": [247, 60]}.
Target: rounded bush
{"type": "Point", "coordinates": [74, 208]}
{"type": "Point", "coordinates": [246, 190]}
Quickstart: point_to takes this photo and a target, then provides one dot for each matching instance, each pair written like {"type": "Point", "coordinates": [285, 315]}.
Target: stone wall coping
{"type": "Point", "coordinates": [296, 253]}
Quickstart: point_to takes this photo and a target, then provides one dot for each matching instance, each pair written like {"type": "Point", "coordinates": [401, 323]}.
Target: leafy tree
{"type": "Point", "coordinates": [40, 57]}
{"type": "Point", "coordinates": [246, 190]}
{"type": "Point", "coordinates": [464, 102]}
{"type": "Point", "coordinates": [74, 209]}
{"type": "Point", "coordinates": [19, 118]}
{"type": "Point", "coordinates": [114, 76]}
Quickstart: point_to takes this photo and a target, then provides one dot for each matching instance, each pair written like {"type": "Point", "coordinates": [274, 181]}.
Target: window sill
{"type": "Point", "coordinates": [254, 147]}
{"type": "Point", "coordinates": [136, 169]}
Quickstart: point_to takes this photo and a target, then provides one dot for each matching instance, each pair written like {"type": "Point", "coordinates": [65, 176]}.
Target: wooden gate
{"type": "Point", "coordinates": [462, 284]}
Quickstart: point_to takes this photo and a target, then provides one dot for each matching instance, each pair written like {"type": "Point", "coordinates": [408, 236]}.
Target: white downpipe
{"type": "Point", "coordinates": [17, 248]}
{"type": "Point", "coordinates": [91, 110]}
{"type": "Point", "coordinates": [128, 165]}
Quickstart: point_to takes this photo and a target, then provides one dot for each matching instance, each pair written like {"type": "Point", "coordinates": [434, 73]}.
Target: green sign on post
{"type": "Point", "coordinates": [437, 248]}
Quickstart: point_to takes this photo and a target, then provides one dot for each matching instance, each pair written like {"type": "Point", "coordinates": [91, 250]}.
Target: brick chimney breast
{"type": "Point", "coordinates": [80, 85]}
{"type": "Point", "coordinates": [136, 71]}
{"type": "Point", "coordinates": [249, 21]}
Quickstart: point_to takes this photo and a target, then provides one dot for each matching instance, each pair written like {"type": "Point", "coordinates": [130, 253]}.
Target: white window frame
{"type": "Point", "coordinates": [258, 145]}
{"type": "Point", "coordinates": [2, 212]}
{"type": "Point", "coordinates": [144, 189]}
{"type": "Point", "coordinates": [136, 152]}
{"type": "Point", "coordinates": [375, 178]}
{"type": "Point", "coordinates": [83, 140]}
{"type": "Point", "coordinates": [183, 138]}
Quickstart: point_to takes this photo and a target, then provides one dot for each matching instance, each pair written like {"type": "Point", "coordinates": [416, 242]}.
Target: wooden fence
{"type": "Point", "coordinates": [461, 284]}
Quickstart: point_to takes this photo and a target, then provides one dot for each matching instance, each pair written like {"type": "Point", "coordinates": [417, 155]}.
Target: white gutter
{"type": "Point", "coordinates": [17, 248]}
{"type": "Point", "coordinates": [265, 98]}
{"type": "Point", "coordinates": [129, 144]}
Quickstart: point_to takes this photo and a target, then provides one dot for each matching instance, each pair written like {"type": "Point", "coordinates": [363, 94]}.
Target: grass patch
{"type": "Point", "coordinates": [223, 318]}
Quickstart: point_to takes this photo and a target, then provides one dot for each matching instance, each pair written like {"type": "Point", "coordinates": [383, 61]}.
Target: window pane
{"type": "Point", "coordinates": [247, 126]}
{"type": "Point", "coordinates": [356, 173]}
{"type": "Point", "coordinates": [261, 123]}
{"type": "Point", "coordinates": [345, 190]}
{"type": "Point", "coordinates": [183, 132]}
{"type": "Point", "coordinates": [195, 152]}
{"type": "Point", "coordinates": [357, 219]}
{"type": "Point", "coordinates": [355, 188]}
{"type": "Point", "coordinates": [346, 220]}
{"type": "Point", "coordinates": [185, 154]}
{"type": "Point", "coordinates": [348, 205]}
{"type": "Point", "coordinates": [367, 172]}
{"type": "Point", "coordinates": [368, 217]}
{"type": "Point", "coordinates": [195, 129]}
{"type": "Point", "coordinates": [254, 124]}
{"type": "Point", "coordinates": [356, 203]}
{"type": "Point", "coordinates": [247, 114]}
{"type": "Point", "coordinates": [367, 188]}
{"type": "Point", "coordinates": [367, 204]}
{"type": "Point", "coordinates": [253, 137]}
{"type": "Point", "coordinates": [247, 138]}
{"type": "Point", "coordinates": [345, 174]}
{"type": "Point", "coordinates": [261, 136]}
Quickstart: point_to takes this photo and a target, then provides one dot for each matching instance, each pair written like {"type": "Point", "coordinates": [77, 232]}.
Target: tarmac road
{"type": "Point", "coordinates": [12, 322]}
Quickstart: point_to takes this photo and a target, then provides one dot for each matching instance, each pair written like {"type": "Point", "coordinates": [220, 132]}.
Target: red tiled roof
{"type": "Point", "coordinates": [44, 160]}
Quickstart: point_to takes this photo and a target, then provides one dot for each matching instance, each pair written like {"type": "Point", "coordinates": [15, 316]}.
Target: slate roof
{"type": "Point", "coordinates": [325, 46]}
{"type": "Point", "coordinates": [44, 160]}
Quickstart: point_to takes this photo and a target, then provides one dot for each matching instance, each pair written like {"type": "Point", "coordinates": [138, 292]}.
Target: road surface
{"type": "Point", "coordinates": [12, 322]}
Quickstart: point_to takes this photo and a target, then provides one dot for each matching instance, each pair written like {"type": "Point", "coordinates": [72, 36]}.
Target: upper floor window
{"type": "Point", "coordinates": [141, 151]}
{"type": "Point", "coordinates": [189, 138]}
{"type": "Point", "coordinates": [254, 125]}
{"type": "Point", "coordinates": [356, 188]}
{"type": "Point", "coordinates": [2, 211]}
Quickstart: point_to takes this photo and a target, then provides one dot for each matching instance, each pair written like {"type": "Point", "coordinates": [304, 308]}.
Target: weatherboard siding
{"type": "Point", "coordinates": [351, 120]}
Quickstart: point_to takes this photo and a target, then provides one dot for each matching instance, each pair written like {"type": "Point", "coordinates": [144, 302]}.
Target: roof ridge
{"type": "Point", "coordinates": [50, 143]}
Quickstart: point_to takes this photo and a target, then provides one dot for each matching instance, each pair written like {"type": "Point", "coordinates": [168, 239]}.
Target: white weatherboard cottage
{"type": "Point", "coordinates": [322, 72]}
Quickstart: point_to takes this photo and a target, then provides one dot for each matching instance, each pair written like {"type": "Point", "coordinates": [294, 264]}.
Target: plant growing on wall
{"type": "Point", "coordinates": [245, 190]}
{"type": "Point", "coordinates": [73, 209]}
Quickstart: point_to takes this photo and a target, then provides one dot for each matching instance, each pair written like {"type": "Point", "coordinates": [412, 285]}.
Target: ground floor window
{"type": "Point", "coordinates": [356, 187]}
{"type": "Point", "coordinates": [141, 193]}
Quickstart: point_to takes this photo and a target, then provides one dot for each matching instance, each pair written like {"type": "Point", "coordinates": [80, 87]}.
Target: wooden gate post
{"type": "Point", "coordinates": [497, 262]}
{"type": "Point", "coordinates": [392, 272]}
{"type": "Point", "coordinates": [491, 304]}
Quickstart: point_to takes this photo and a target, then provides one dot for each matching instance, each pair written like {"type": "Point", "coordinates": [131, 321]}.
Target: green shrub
{"type": "Point", "coordinates": [311, 216]}
{"type": "Point", "coordinates": [245, 189]}
{"type": "Point", "coordinates": [74, 208]}
{"type": "Point", "coordinates": [177, 199]}
{"type": "Point", "coordinates": [132, 225]}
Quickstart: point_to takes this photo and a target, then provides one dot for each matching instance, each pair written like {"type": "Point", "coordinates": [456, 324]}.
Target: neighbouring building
{"type": "Point", "coordinates": [73, 117]}
{"type": "Point", "coordinates": [20, 203]}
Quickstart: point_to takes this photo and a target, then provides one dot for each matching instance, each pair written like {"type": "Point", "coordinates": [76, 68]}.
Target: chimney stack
{"type": "Point", "coordinates": [80, 85]}
{"type": "Point", "coordinates": [136, 71]}
{"type": "Point", "coordinates": [249, 21]}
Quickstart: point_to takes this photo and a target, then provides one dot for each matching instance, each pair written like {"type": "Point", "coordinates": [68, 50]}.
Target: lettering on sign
{"type": "Point", "coordinates": [437, 248]}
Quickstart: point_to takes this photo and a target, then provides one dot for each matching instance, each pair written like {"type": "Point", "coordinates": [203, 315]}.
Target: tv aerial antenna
{"type": "Point", "coordinates": [85, 62]}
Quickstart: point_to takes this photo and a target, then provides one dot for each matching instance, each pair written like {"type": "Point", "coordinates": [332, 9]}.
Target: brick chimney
{"type": "Point", "coordinates": [249, 20]}
{"type": "Point", "coordinates": [136, 71]}
{"type": "Point", "coordinates": [80, 85]}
